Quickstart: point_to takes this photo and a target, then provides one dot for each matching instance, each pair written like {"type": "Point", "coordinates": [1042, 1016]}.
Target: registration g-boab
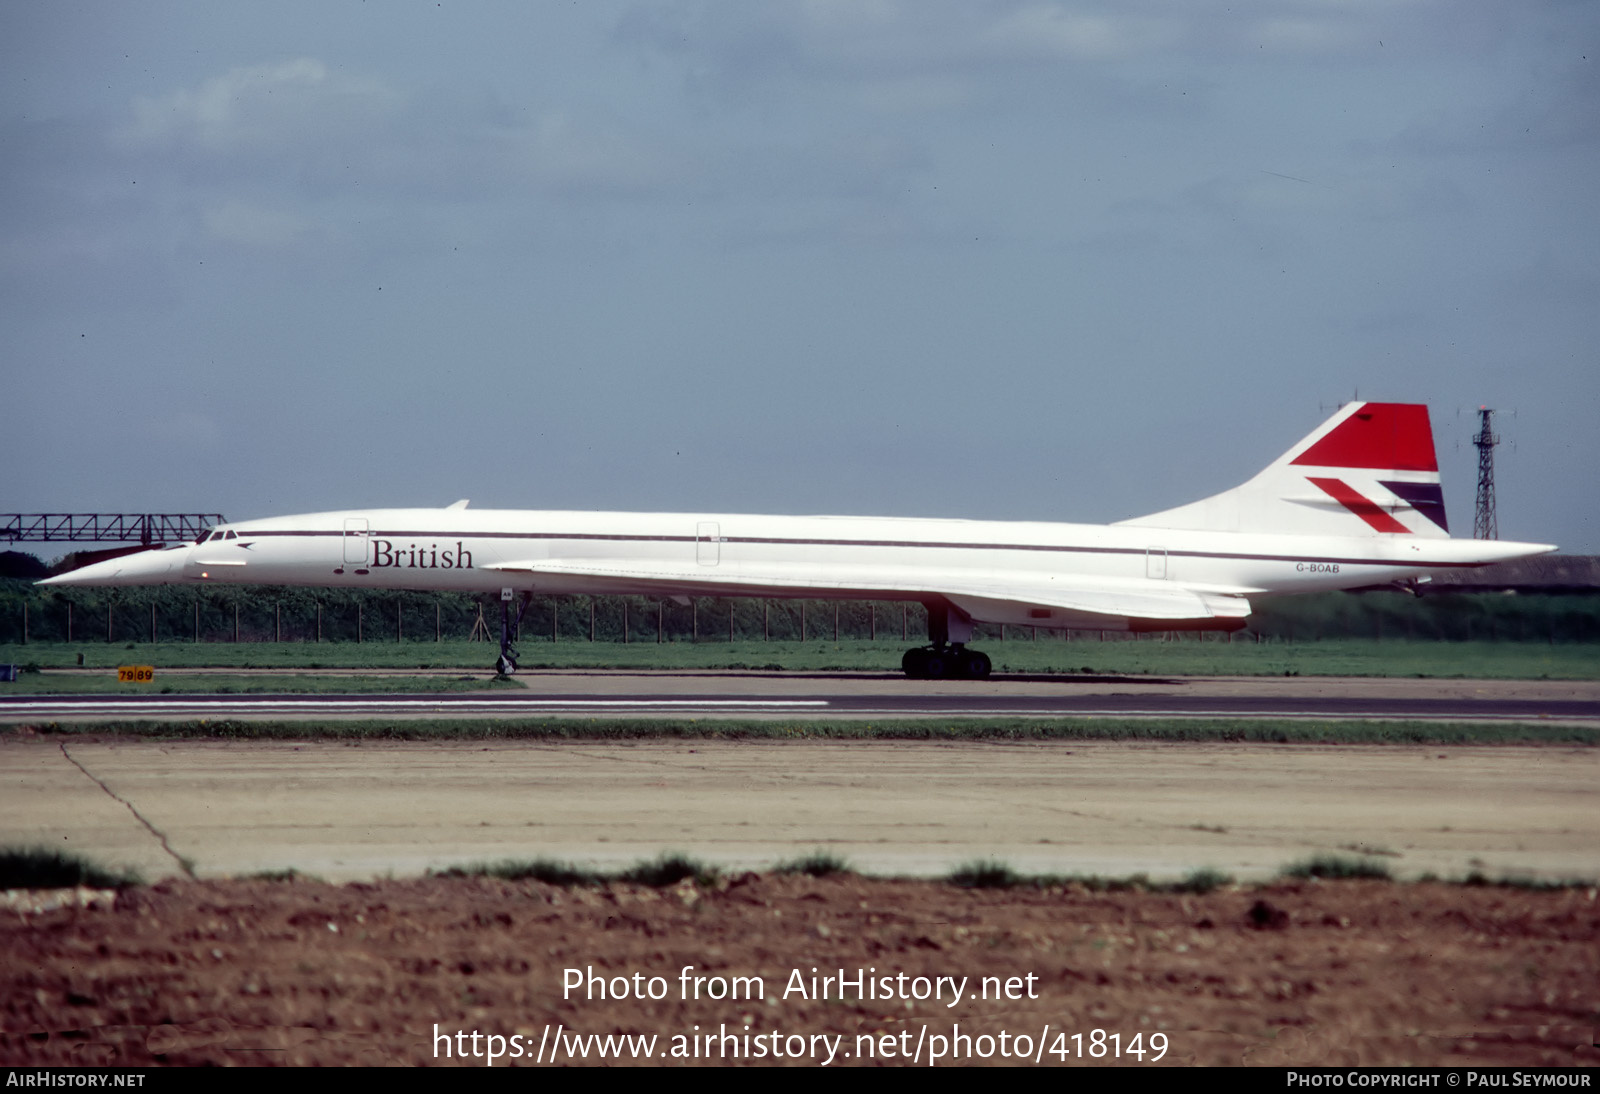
{"type": "Point", "coordinates": [1356, 503]}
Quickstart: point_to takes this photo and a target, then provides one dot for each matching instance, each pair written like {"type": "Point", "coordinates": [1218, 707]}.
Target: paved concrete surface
{"type": "Point", "coordinates": [745, 683]}
{"type": "Point", "coordinates": [346, 811]}
{"type": "Point", "coordinates": [861, 695]}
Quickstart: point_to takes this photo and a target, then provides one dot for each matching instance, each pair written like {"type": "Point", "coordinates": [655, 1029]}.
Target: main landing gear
{"type": "Point", "coordinates": [946, 656]}
{"type": "Point", "coordinates": [506, 663]}
{"type": "Point", "coordinates": [945, 662]}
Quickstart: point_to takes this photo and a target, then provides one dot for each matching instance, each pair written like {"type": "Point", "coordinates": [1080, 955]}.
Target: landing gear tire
{"type": "Point", "coordinates": [975, 665]}
{"type": "Point", "coordinates": [933, 663]}
{"type": "Point", "coordinates": [925, 663]}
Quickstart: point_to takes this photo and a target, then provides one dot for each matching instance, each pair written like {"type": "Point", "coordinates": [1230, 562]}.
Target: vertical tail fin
{"type": "Point", "coordinates": [1370, 470]}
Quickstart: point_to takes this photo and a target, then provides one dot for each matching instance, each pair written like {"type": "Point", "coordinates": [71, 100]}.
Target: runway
{"type": "Point", "coordinates": [846, 695]}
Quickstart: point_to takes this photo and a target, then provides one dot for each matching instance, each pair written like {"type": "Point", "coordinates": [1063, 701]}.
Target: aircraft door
{"type": "Point", "coordinates": [355, 540]}
{"type": "Point", "coordinates": [708, 543]}
{"type": "Point", "coordinates": [1155, 563]}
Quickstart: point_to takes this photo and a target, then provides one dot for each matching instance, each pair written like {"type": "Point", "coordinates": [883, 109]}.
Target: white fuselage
{"type": "Point", "coordinates": [1356, 502]}
{"type": "Point", "coordinates": [996, 568]}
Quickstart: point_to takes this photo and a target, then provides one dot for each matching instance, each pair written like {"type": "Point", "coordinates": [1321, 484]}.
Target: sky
{"type": "Point", "coordinates": [996, 259]}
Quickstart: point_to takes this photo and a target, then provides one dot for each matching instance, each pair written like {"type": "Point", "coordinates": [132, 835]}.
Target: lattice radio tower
{"type": "Point", "coordinates": [1484, 525]}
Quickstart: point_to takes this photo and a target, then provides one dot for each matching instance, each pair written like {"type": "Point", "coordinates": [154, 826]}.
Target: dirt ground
{"type": "Point", "coordinates": [274, 972]}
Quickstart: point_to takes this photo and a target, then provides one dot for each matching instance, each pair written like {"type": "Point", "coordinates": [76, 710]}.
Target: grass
{"type": "Point", "coordinates": [669, 869]}
{"type": "Point", "coordinates": [1522, 881]}
{"type": "Point", "coordinates": [1338, 868]}
{"type": "Point", "coordinates": [549, 871]}
{"type": "Point", "coordinates": [666, 869]}
{"type": "Point", "coordinates": [986, 874]}
{"type": "Point", "coordinates": [818, 863]}
{"type": "Point", "coordinates": [1203, 880]}
{"type": "Point", "coordinates": [908, 729]}
{"type": "Point", "coordinates": [673, 867]}
{"type": "Point", "coordinates": [177, 682]}
{"type": "Point", "coordinates": [36, 868]}
{"type": "Point", "coordinates": [286, 874]}
{"type": "Point", "coordinates": [1197, 656]}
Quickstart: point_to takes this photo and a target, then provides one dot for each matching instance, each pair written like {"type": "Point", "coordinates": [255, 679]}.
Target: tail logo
{"type": "Point", "coordinates": [1359, 504]}
{"type": "Point", "coordinates": [1426, 498]}
{"type": "Point", "coordinates": [1379, 436]}
{"type": "Point", "coordinates": [1385, 437]}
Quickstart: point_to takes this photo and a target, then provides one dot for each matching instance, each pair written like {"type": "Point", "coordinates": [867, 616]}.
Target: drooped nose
{"type": "Point", "coordinates": [155, 567]}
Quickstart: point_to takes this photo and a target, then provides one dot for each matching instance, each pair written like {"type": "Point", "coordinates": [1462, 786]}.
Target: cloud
{"type": "Point", "coordinates": [1063, 32]}
{"type": "Point", "coordinates": [559, 151]}
{"type": "Point", "coordinates": [890, 39]}
{"type": "Point", "coordinates": [236, 221]}
{"type": "Point", "coordinates": [1557, 111]}
{"type": "Point", "coordinates": [1275, 209]}
{"type": "Point", "coordinates": [302, 128]}
{"type": "Point", "coordinates": [1320, 33]}
{"type": "Point", "coordinates": [263, 109]}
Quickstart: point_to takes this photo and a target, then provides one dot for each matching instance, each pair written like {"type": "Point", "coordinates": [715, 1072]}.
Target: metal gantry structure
{"type": "Point", "coordinates": [146, 528]}
{"type": "Point", "coordinates": [1484, 525]}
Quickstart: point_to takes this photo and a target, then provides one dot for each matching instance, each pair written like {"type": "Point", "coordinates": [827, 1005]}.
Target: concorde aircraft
{"type": "Point", "coordinates": [1356, 503]}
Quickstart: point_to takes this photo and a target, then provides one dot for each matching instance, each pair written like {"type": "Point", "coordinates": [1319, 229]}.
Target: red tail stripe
{"type": "Point", "coordinates": [1386, 436]}
{"type": "Point", "coordinates": [1363, 507]}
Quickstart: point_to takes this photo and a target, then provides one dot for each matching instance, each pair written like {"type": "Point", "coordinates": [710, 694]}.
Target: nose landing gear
{"type": "Point", "coordinates": [506, 663]}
